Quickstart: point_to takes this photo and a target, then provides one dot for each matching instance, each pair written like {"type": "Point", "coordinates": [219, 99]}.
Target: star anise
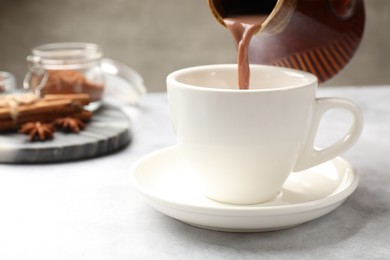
{"type": "Point", "coordinates": [69, 124]}
{"type": "Point", "coordinates": [37, 131]}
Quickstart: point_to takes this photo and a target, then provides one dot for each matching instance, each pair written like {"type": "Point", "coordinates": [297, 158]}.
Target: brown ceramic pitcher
{"type": "Point", "coordinates": [318, 36]}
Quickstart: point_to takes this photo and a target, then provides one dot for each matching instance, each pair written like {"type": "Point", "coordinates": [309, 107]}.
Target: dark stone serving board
{"type": "Point", "coordinates": [107, 132]}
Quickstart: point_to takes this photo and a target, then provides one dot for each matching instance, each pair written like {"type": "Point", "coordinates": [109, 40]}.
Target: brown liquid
{"type": "Point", "coordinates": [242, 28]}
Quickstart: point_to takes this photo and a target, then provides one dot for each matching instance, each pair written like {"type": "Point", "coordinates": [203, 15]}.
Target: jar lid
{"type": "Point", "coordinates": [123, 84]}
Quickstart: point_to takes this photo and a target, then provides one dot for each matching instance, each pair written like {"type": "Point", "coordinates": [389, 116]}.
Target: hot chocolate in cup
{"type": "Point", "coordinates": [243, 144]}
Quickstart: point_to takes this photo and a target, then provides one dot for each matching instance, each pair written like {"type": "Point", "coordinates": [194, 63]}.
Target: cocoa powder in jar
{"type": "Point", "coordinates": [71, 82]}
{"type": "Point", "coordinates": [66, 68]}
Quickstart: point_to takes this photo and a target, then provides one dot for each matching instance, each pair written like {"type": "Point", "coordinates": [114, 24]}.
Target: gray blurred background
{"type": "Point", "coordinates": [156, 37]}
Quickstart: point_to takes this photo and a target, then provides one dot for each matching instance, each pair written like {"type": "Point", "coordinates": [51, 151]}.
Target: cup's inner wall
{"type": "Point", "coordinates": [261, 77]}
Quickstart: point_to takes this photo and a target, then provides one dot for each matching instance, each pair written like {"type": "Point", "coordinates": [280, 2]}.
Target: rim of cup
{"type": "Point", "coordinates": [303, 78]}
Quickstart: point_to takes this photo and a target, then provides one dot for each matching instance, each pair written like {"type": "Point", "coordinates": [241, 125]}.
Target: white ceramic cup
{"type": "Point", "coordinates": [243, 144]}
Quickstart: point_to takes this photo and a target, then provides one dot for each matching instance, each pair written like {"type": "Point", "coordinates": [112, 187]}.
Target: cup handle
{"type": "Point", "coordinates": [312, 156]}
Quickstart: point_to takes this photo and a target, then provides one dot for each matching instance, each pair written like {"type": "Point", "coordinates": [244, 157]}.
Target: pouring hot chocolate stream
{"type": "Point", "coordinates": [243, 28]}
{"type": "Point", "coordinates": [317, 36]}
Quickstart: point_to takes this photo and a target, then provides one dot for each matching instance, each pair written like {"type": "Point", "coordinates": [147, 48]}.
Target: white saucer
{"type": "Point", "coordinates": [170, 187]}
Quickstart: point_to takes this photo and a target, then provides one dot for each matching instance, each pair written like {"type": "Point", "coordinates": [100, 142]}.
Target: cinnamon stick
{"type": "Point", "coordinates": [72, 102]}
{"type": "Point", "coordinates": [82, 98]}
{"type": "Point", "coordinates": [45, 109]}
{"type": "Point", "coordinates": [9, 124]}
{"type": "Point", "coordinates": [40, 108]}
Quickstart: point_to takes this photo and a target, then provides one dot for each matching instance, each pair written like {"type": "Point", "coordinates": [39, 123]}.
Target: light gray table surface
{"type": "Point", "coordinates": [89, 210]}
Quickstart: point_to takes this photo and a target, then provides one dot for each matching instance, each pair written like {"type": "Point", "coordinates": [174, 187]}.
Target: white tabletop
{"type": "Point", "coordinates": [89, 210]}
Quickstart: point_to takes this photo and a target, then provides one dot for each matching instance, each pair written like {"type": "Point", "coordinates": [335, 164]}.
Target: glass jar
{"type": "Point", "coordinates": [66, 68]}
{"type": "Point", "coordinates": [7, 82]}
